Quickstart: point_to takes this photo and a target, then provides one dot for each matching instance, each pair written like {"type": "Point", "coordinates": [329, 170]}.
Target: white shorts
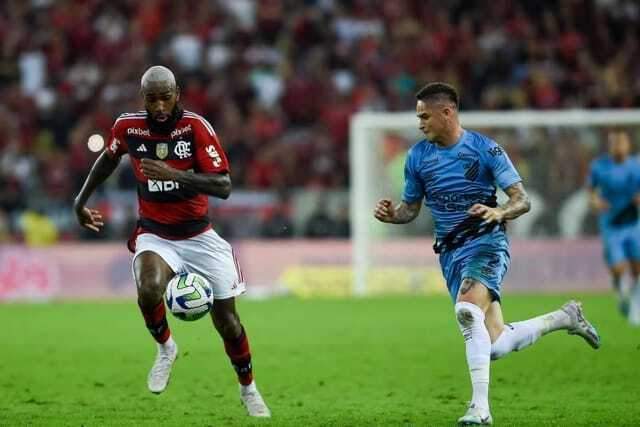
{"type": "Point", "coordinates": [207, 254]}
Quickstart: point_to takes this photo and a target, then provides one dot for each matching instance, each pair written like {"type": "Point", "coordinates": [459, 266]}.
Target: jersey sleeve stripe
{"type": "Point", "coordinates": [128, 118]}
{"type": "Point", "coordinates": [206, 124]}
{"type": "Point", "coordinates": [139, 114]}
{"type": "Point", "coordinates": [203, 121]}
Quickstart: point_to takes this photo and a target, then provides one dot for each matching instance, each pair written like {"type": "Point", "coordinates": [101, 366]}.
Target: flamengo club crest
{"type": "Point", "coordinates": [183, 149]}
{"type": "Point", "coordinates": [162, 150]}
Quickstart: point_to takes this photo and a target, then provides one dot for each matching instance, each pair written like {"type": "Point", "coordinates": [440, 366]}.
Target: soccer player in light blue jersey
{"type": "Point", "coordinates": [456, 171]}
{"type": "Point", "coordinates": [614, 185]}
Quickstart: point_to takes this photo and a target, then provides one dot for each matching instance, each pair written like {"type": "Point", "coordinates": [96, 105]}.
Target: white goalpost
{"type": "Point", "coordinates": [375, 160]}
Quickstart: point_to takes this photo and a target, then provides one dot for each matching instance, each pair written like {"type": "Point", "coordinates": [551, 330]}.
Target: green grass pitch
{"type": "Point", "coordinates": [366, 362]}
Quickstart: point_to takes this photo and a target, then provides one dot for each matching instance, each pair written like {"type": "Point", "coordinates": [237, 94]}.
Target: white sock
{"type": "Point", "coordinates": [168, 345]}
{"type": "Point", "coordinates": [478, 348]}
{"type": "Point", "coordinates": [519, 335]}
{"type": "Point", "coordinates": [634, 306]}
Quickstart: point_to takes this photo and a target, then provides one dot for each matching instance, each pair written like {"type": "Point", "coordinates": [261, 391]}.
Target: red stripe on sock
{"type": "Point", "coordinates": [238, 348]}
{"type": "Point", "coordinates": [240, 355]}
{"type": "Point", "coordinates": [157, 318]}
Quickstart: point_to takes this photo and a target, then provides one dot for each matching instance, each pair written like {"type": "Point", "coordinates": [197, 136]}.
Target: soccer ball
{"type": "Point", "coordinates": [189, 296]}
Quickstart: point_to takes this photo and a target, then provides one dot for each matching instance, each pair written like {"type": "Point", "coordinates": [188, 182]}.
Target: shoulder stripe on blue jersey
{"type": "Point", "coordinates": [202, 120]}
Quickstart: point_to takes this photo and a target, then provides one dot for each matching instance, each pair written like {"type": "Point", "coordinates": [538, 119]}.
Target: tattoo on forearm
{"type": "Point", "coordinates": [518, 202]}
{"type": "Point", "coordinates": [406, 213]}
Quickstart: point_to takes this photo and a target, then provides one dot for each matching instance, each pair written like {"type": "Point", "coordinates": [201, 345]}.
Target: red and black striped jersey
{"type": "Point", "coordinates": [167, 208]}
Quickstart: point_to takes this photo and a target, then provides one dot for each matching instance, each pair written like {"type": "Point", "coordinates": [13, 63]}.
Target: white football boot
{"type": "Point", "coordinates": [161, 370]}
{"type": "Point", "coordinates": [253, 401]}
{"type": "Point", "coordinates": [580, 325]}
{"type": "Point", "coordinates": [476, 416]}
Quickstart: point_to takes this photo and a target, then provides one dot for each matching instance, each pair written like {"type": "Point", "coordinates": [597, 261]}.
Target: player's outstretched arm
{"type": "Point", "coordinates": [212, 184]}
{"type": "Point", "coordinates": [402, 213]}
{"type": "Point", "coordinates": [100, 171]}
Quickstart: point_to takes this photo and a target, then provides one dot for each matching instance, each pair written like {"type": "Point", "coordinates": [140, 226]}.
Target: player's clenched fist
{"type": "Point", "coordinates": [384, 211]}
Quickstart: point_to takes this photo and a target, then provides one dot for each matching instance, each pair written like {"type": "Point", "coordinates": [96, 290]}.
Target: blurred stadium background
{"type": "Point", "coordinates": [286, 84]}
{"type": "Point", "coordinates": [280, 81]}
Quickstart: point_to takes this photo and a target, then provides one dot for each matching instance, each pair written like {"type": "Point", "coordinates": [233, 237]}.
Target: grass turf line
{"type": "Point", "coordinates": [380, 361]}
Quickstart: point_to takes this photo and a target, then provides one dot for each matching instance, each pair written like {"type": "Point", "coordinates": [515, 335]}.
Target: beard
{"type": "Point", "coordinates": [166, 127]}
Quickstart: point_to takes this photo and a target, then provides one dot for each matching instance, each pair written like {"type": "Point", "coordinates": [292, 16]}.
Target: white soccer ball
{"type": "Point", "coordinates": [189, 296]}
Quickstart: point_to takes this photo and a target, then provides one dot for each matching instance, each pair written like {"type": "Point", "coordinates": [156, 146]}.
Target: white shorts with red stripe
{"type": "Point", "coordinates": [207, 254]}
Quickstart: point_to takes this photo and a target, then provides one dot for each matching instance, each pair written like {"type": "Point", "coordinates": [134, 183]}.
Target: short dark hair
{"type": "Point", "coordinates": [438, 91]}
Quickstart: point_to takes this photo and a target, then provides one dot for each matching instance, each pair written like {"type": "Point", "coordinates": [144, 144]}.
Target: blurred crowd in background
{"type": "Point", "coordinates": [279, 80]}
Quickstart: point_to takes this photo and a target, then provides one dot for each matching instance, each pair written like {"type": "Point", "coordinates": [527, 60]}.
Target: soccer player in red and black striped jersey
{"type": "Point", "coordinates": [178, 162]}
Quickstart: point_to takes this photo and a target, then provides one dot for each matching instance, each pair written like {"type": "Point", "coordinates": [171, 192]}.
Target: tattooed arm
{"type": "Point", "coordinates": [402, 213]}
{"type": "Point", "coordinates": [518, 204]}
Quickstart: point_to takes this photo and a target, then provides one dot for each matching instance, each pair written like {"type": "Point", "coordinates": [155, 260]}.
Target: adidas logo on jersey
{"type": "Point", "coordinates": [142, 149]}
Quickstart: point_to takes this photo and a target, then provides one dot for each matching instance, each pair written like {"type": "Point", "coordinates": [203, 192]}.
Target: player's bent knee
{"type": "Point", "coordinates": [149, 295]}
{"type": "Point", "coordinates": [151, 287]}
{"type": "Point", "coordinates": [475, 293]}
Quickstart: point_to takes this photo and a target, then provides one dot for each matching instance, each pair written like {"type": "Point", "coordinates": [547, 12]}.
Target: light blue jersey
{"type": "Point", "coordinates": [451, 180]}
{"type": "Point", "coordinates": [618, 184]}
{"type": "Point", "coordinates": [454, 178]}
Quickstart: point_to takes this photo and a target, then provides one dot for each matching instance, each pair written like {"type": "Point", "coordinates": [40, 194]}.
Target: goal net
{"type": "Point", "coordinates": [554, 247]}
